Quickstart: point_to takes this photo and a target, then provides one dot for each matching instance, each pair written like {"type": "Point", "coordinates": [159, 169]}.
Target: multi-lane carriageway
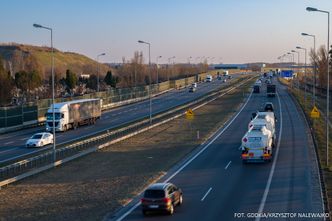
{"type": "Point", "coordinates": [217, 186]}
{"type": "Point", "coordinates": [12, 144]}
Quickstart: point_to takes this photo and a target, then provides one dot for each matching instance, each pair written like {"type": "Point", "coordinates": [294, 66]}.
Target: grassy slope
{"type": "Point", "coordinates": [63, 60]}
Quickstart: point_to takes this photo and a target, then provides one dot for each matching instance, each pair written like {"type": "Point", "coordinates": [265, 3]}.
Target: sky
{"type": "Point", "coordinates": [231, 31]}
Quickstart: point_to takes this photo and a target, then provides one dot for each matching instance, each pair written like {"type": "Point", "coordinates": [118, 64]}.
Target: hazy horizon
{"type": "Point", "coordinates": [232, 32]}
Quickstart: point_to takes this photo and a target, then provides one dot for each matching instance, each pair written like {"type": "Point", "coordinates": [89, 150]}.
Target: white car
{"type": "Point", "coordinates": [40, 139]}
{"type": "Point", "coordinates": [194, 85]}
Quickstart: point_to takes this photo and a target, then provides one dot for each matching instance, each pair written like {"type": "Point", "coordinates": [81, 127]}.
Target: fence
{"type": "Point", "coordinates": [34, 114]}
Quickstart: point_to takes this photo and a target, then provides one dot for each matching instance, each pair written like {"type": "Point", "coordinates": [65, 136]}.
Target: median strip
{"type": "Point", "coordinates": [106, 180]}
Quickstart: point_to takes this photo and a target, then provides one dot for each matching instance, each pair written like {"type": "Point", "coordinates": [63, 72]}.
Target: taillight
{"type": "Point", "coordinates": [245, 139]}
{"type": "Point", "coordinates": [167, 200]}
{"type": "Point", "coordinates": [143, 200]}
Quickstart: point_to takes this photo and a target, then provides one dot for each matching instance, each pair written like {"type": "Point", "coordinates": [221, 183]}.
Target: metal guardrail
{"type": "Point", "coordinates": [36, 164]}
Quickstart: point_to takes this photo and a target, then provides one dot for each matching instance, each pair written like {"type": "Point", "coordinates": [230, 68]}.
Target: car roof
{"type": "Point", "coordinates": [159, 186]}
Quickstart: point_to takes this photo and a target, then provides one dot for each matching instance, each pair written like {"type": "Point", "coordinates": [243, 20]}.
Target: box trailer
{"type": "Point", "coordinates": [73, 114]}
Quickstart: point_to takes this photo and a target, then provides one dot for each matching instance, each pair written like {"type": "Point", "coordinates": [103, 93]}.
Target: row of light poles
{"type": "Point", "coordinates": [310, 9]}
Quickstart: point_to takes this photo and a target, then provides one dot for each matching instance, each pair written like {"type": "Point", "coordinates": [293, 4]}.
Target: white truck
{"type": "Point", "coordinates": [73, 114]}
{"type": "Point", "coordinates": [257, 145]}
{"type": "Point", "coordinates": [225, 73]}
{"type": "Point", "coordinates": [208, 78]}
{"type": "Point", "coordinates": [266, 119]}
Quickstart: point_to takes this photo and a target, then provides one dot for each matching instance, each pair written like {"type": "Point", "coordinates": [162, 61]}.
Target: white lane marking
{"type": "Point", "coordinates": [207, 193]}
{"type": "Point", "coordinates": [9, 150]}
{"type": "Point", "coordinates": [190, 160]}
{"type": "Point", "coordinates": [9, 142]}
{"type": "Point", "coordinates": [229, 163]}
{"type": "Point", "coordinates": [25, 138]}
{"type": "Point", "coordinates": [268, 184]}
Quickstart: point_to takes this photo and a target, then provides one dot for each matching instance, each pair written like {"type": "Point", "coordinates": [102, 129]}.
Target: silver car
{"type": "Point", "coordinates": [40, 140]}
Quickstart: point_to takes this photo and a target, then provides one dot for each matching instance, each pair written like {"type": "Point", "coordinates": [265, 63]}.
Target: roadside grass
{"type": "Point", "coordinates": [104, 181]}
{"type": "Point", "coordinates": [318, 126]}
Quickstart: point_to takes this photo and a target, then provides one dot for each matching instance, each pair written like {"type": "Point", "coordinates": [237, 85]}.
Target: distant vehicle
{"type": "Point", "coordinates": [271, 90]}
{"type": "Point", "coordinates": [208, 78]}
{"type": "Point", "coordinates": [194, 85]}
{"type": "Point", "coordinates": [161, 197]}
{"type": "Point", "coordinates": [256, 88]}
{"type": "Point", "coordinates": [40, 140]}
{"type": "Point", "coordinates": [268, 107]}
{"type": "Point", "coordinates": [229, 77]}
{"type": "Point", "coordinates": [257, 145]}
{"type": "Point", "coordinates": [224, 80]}
{"type": "Point", "coordinates": [225, 73]}
{"type": "Point", "coordinates": [192, 89]}
{"type": "Point", "coordinates": [219, 77]}
{"type": "Point", "coordinates": [73, 114]}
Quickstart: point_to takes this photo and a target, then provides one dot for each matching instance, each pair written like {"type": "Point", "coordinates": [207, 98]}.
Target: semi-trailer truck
{"type": "Point", "coordinates": [257, 145]}
{"type": "Point", "coordinates": [271, 90]}
{"type": "Point", "coordinates": [73, 114]}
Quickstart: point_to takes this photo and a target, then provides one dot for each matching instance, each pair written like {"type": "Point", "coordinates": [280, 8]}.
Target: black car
{"type": "Point", "coordinates": [161, 197]}
{"type": "Point", "coordinates": [268, 107]}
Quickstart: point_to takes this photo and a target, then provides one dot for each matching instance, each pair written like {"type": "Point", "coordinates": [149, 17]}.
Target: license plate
{"type": "Point", "coordinates": [153, 206]}
{"type": "Point", "coordinates": [251, 154]}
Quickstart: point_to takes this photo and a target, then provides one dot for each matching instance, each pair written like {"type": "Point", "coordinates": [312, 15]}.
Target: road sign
{"type": "Point", "coordinates": [315, 113]}
{"type": "Point", "coordinates": [189, 114]}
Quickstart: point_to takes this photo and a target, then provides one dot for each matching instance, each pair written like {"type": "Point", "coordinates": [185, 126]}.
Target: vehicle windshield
{"type": "Point", "coordinates": [49, 116]}
{"type": "Point", "coordinates": [37, 136]}
{"type": "Point", "coordinates": [154, 194]}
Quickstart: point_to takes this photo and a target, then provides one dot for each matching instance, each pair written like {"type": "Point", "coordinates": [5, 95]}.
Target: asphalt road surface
{"type": "Point", "coordinates": [216, 185]}
{"type": "Point", "coordinates": [13, 144]}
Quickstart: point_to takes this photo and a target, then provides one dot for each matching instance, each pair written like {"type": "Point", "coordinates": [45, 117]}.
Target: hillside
{"type": "Point", "coordinates": [19, 57]}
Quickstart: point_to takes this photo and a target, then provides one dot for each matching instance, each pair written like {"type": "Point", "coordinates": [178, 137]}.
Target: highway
{"type": "Point", "coordinates": [13, 144]}
{"type": "Point", "coordinates": [216, 184]}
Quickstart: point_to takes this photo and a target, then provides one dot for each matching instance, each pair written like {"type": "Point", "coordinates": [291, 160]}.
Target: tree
{"type": "Point", "coordinates": [92, 82]}
{"type": "Point", "coordinates": [6, 85]}
{"type": "Point", "coordinates": [110, 79]}
{"type": "Point", "coordinates": [71, 79]}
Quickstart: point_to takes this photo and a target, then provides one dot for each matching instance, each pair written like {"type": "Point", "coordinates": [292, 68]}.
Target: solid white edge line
{"type": "Point", "coordinates": [229, 163]}
{"type": "Point", "coordinates": [193, 158]}
{"type": "Point", "coordinates": [268, 184]}
{"type": "Point", "coordinates": [205, 195]}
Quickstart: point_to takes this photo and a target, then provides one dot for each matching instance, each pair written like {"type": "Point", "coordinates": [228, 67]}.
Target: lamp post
{"type": "Point", "coordinates": [169, 63]}
{"type": "Point", "coordinates": [52, 72]}
{"type": "Point", "coordinates": [310, 9]}
{"type": "Point", "coordinates": [315, 68]}
{"type": "Point", "coordinates": [298, 68]}
{"type": "Point", "coordinates": [305, 75]}
{"type": "Point", "coordinates": [147, 43]}
{"type": "Point", "coordinates": [157, 70]}
{"type": "Point", "coordinates": [98, 70]}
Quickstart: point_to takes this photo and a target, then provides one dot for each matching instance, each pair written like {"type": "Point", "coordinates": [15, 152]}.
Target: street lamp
{"type": "Point", "coordinates": [102, 54]}
{"type": "Point", "coordinates": [157, 70]}
{"type": "Point", "coordinates": [147, 43]}
{"type": "Point", "coordinates": [52, 71]}
{"type": "Point", "coordinates": [315, 68]}
{"type": "Point", "coordinates": [169, 63]}
{"type": "Point", "coordinates": [305, 75]}
{"type": "Point", "coordinates": [310, 9]}
{"type": "Point", "coordinates": [298, 68]}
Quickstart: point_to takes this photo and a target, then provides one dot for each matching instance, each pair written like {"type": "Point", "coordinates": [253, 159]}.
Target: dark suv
{"type": "Point", "coordinates": [268, 107]}
{"type": "Point", "coordinates": [161, 197]}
